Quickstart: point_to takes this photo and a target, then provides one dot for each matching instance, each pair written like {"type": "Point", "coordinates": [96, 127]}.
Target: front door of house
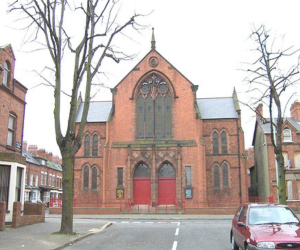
{"type": "Point", "coordinates": [166, 185]}
{"type": "Point", "coordinates": [142, 185]}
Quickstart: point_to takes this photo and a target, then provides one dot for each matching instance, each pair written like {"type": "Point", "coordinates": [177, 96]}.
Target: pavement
{"type": "Point", "coordinates": [44, 235]}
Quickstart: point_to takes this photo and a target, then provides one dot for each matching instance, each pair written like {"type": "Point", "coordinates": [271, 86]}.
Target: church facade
{"type": "Point", "coordinates": [156, 143]}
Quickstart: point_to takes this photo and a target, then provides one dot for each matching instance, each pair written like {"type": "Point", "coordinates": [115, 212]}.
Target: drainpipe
{"type": "Point", "coordinates": [239, 158]}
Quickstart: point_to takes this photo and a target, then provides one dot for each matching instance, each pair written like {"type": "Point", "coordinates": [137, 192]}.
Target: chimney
{"type": "Point", "coordinates": [24, 146]}
{"type": "Point", "coordinates": [259, 111]}
{"type": "Point", "coordinates": [32, 149]}
{"type": "Point", "coordinates": [295, 110]}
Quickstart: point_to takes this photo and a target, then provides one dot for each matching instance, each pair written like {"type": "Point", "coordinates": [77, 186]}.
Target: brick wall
{"type": "Point", "coordinates": [33, 213]}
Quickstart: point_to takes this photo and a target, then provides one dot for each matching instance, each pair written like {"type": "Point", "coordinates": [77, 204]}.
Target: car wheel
{"type": "Point", "coordinates": [234, 246]}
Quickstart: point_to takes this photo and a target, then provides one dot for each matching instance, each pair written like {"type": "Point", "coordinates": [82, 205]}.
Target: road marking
{"type": "Point", "coordinates": [174, 245]}
{"type": "Point", "coordinates": [149, 222]}
{"type": "Point", "coordinates": [137, 222]}
{"type": "Point", "coordinates": [124, 222]}
{"type": "Point", "coordinates": [177, 231]}
{"type": "Point", "coordinates": [178, 223]}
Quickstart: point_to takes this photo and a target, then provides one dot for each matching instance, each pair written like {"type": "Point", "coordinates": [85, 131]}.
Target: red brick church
{"type": "Point", "coordinates": [156, 143]}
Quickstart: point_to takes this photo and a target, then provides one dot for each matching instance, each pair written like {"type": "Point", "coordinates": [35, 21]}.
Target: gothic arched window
{"type": "Point", "coordinates": [215, 143]}
{"type": "Point", "coordinates": [216, 177]}
{"type": "Point", "coordinates": [95, 145]}
{"type": "Point", "coordinates": [86, 173]}
{"type": "Point", "coordinates": [154, 109]}
{"type": "Point", "coordinates": [87, 145]}
{"type": "Point", "coordinates": [94, 178]}
{"type": "Point", "coordinates": [225, 175]}
{"type": "Point", "coordinates": [224, 142]}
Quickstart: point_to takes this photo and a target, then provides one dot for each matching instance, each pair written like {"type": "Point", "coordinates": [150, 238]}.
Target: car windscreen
{"type": "Point", "coordinates": [271, 215]}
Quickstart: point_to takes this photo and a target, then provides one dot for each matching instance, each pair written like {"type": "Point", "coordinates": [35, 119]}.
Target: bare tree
{"type": "Point", "coordinates": [269, 81]}
{"type": "Point", "coordinates": [100, 27]}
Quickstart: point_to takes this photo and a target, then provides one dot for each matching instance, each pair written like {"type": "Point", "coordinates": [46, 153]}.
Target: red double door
{"type": "Point", "coordinates": [166, 185]}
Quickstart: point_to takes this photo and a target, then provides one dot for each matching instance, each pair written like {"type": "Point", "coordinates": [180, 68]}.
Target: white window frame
{"type": "Point", "coordinates": [287, 138]}
{"type": "Point", "coordinates": [6, 72]}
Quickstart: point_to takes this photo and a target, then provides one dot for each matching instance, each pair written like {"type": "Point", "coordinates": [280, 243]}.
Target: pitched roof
{"type": "Point", "coordinates": [98, 112]}
{"type": "Point", "coordinates": [266, 127]}
{"type": "Point", "coordinates": [217, 108]}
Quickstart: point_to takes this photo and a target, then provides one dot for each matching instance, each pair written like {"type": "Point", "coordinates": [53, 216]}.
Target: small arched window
{"type": "Point", "coordinates": [224, 142]}
{"type": "Point", "coordinates": [216, 177]}
{"type": "Point", "coordinates": [95, 145]}
{"type": "Point", "coordinates": [287, 135]}
{"type": "Point", "coordinates": [86, 173]}
{"type": "Point", "coordinates": [6, 73]}
{"type": "Point", "coordinates": [87, 145]}
{"type": "Point", "coordinates": [215, 143]}
{"type": "Point", "coordinates": [94, 178]}
{"type": "Point", "coordinates": [225, 175]}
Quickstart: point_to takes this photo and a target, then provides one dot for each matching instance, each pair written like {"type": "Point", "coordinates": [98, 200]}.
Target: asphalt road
{"type": "Point", "coordinates": [162, 235]}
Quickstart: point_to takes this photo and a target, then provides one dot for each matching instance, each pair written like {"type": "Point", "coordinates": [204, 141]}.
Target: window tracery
{"type": "Point", "coordinates": [154, 109]}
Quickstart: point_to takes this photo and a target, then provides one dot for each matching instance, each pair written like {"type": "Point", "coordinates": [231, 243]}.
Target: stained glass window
{"type": "Point", "coordinates": [154, 109]}
{"type": "Point", "coordinates": [94, 178]}
{"type": "Point", "coordinates": [87, 145]}
{"type": "Point", "coordinates": [216, 177]}
{"type": "Point", "coordinates": [86, 174]}
{"type": "Point", "coordinates": [215, 143]}
{"type": "Point", "coordinates": [142, 171]}
{"type": "Point", "coordinates": [95, 145]}
{"type": "Point", "coordinates": [166, 171]}
{"type": "Point", "coordinates": [225, 175]}
{"type": "Point", "coordinates": [224, 142]}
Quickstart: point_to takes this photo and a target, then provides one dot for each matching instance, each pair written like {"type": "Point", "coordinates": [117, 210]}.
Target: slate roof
{"type": "Point", "coordinates": [267, 128]}
{"type": "Point", "coordinates": [98, 112]}
{"type": "Point", "coordinates": [210, 108]}
{"type": "Point", "coordinates": [30, 157]}
{"type": "Point", "coordinates": [217, 108]}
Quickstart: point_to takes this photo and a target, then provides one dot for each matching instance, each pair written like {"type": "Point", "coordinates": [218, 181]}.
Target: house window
{"type": "Point", "coordinates": [87, 145]}
{"type": "Point", "coordinates": [86, 173]}
{"type": "Point", "coordinates": [95, 145]}
{"type": "Point", "coordinates": [11, 130]}
{"type": "Point", "coordinates": [188, 182]}
{"type": "Point", "coordinates": [45, 179]}
{"type": "Point", "coordinates": [18, 184]}
{"type": "Point", "coordinates": [42, 178]}
{"type": "Point", "coordinates": [120, 177]}
{"type": "Point", "coordinates": [290, 190]}
{"type": "Point", "coordinates": [4, 183]}
{"type": "Point", "coordinates": [297, 159]}
{"type": "Point", "coordinates": [154, 109]}
{"type": "Point", "coordinates": [216, 177]}
{"type": "Point", "coordinates": [225, 175]}
{"type": "Point", "coordinates": [286, 159]}
{"type": "Point", "coordinates": [215, 143]}
{"type": "Point", "coordinates": [36, 180]}
{"type": "Point", "coordinates": [224, 142]}
{"type": "Point", "coordinates": [50, 179]}
{"type": "Point", "coordinates": [94, 178]}
{"type": "Point", "coordinates": [6, 73]}
{"type": "Point", "coordinates": [287, 135]}
{"type": "Point", "coordinates": [31, 180]}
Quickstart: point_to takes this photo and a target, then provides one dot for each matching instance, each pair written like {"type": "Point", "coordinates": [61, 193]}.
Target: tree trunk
{"type": "Point", "coordinates": [67, 200]}
{"type": "Point", "coordinates": [281, 179]}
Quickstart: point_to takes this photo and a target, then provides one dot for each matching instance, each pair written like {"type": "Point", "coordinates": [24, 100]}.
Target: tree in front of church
{"type": "Point", "coordinates": [271, 80]}
{"type": "Point", "coordinates": [89, 31]}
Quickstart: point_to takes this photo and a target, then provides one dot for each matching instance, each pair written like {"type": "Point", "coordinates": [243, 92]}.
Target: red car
{"type": "Point", "coordinates": [265, 226]}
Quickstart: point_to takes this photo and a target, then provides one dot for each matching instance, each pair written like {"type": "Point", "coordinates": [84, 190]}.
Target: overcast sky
{"type": "Point", "coordinates": [207, 41]}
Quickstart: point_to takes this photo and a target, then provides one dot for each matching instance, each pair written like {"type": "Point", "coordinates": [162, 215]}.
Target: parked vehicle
{"type": "Point", "coordinates": [265, 226]}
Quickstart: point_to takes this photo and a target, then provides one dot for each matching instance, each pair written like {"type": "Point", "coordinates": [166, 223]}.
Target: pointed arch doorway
{"type": "Point", "coordinates": [166, 185]}
{"type": "Point", "coordinates": [142, 185]}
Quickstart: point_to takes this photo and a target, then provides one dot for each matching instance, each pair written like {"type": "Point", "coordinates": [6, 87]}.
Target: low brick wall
{"type": "Point", "coordinates": [87, 210]}
{"type": "Point", "coordinates": [33, 213]}
{"type": "Point", "coordinates": [2, 215]}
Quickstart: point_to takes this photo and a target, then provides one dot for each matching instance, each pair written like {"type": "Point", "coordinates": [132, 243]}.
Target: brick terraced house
{"type": "Point", "coordinates": [263, 173]}
{"type": "Point", "coordinates": [156, 143]}
{"type": "Point", "coordinates": [12, 111]}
